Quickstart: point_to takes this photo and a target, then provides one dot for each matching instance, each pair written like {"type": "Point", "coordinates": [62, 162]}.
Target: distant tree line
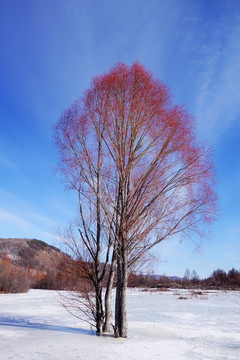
{"type": "Point", "coordinates": [219, 279]}
{"type": "Point", "coordinates": [39, 271]}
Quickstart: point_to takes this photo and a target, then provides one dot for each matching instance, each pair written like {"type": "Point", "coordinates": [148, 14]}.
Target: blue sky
{"type": "Point", "coordinates": [50, 51]}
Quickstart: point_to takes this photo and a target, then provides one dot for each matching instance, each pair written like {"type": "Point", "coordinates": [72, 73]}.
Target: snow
{"type": "Point", "coordinates": [34, 326]}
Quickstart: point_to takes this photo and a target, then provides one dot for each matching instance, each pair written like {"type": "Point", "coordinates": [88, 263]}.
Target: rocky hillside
{"type": "Point", "coordinates": [41, 264]}
{"type": "Point", "coordinates": [30, 252]}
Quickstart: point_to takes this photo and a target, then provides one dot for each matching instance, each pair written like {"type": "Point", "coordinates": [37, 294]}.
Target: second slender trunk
{"type": "Point", "coordinates": [99, 311]}
{"type": "Point", "coordinates": [120, 329]}
{"type": "Point", "coordinates": [108, 296]}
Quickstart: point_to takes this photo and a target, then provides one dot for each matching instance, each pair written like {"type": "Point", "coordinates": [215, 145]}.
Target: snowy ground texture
{"type": "Point", "coordinates": [34, 326]}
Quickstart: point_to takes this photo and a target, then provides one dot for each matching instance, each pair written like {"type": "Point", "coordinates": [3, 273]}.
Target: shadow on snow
{"type": "Point", "coordinates": [23, 323]}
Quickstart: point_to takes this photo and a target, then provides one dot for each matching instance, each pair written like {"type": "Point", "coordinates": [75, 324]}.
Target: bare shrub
{"type": "Point", "coordinates": [12, 278]}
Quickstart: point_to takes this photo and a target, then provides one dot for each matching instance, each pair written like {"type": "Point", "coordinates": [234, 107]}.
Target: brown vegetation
{"type": "Point", "coordinates": [13, 279]}
{"type": "Point", "coordinates": [31, 263]}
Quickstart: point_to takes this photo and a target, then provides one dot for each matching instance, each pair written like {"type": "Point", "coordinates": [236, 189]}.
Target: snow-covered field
{"type": "Point", "coordinates": [34, 326]}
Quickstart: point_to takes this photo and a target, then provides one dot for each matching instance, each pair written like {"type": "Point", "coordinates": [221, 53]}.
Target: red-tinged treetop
{"type": "Point", "coordinates": [125, 132]}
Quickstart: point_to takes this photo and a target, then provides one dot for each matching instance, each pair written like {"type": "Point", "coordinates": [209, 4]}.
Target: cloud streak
{"type": "Point", "coordinates": [8, 163]}
{"type": "Point", "coordinates": [9, 218]}
{"type": "Point", "coordinates": [13, 225]}
{"type": "Point", "coordinates": [217, 104]}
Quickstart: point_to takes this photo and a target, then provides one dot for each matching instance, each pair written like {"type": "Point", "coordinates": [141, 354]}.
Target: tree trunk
{"type": "Point", "coordinates": [99, 311]}
{"type": "Point", "coordinates": [120, 329]}
{"type": "Point", "coordinates": [108, 296]}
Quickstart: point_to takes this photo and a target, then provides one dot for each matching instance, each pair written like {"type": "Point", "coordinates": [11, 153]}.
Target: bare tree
{"type": "Point", "coordinates": [135, 153]}
{"type": "Point", "coordinates": [84, 168]}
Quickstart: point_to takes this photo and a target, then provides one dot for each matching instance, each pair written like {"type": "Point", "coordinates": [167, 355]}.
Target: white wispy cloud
{"type": "Point", "coordinates": [217, 105]}
{"type": "Point", "coordinates": [61, 207]}
{"type": "Point", "coordinates": [43, 219]}
{"type": "Point", "coordinates": [9, 218]}
{"type": "Point", "coordinates": [27, 225]}
{"type": "Point", "coordinates": [8, 163]}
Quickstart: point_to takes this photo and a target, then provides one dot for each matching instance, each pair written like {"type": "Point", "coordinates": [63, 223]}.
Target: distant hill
{"type": "Point", "coordinates": [29, 252]}
{"type": "Point", "coordinates": [14, 244]}
{"type": "Point", "coordinates": [41, 261]}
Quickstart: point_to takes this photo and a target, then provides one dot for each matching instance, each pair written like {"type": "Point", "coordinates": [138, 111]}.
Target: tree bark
{"type": "Point", "coordinates": [108, 296]}
{"type": "Point", "coordinates": [120, 329]}
{"type": "Point", "coordinates": [99, 310]}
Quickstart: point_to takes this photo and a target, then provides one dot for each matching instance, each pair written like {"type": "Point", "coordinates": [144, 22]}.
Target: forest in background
{"type": "Point", "coordinates": [32, 263]}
